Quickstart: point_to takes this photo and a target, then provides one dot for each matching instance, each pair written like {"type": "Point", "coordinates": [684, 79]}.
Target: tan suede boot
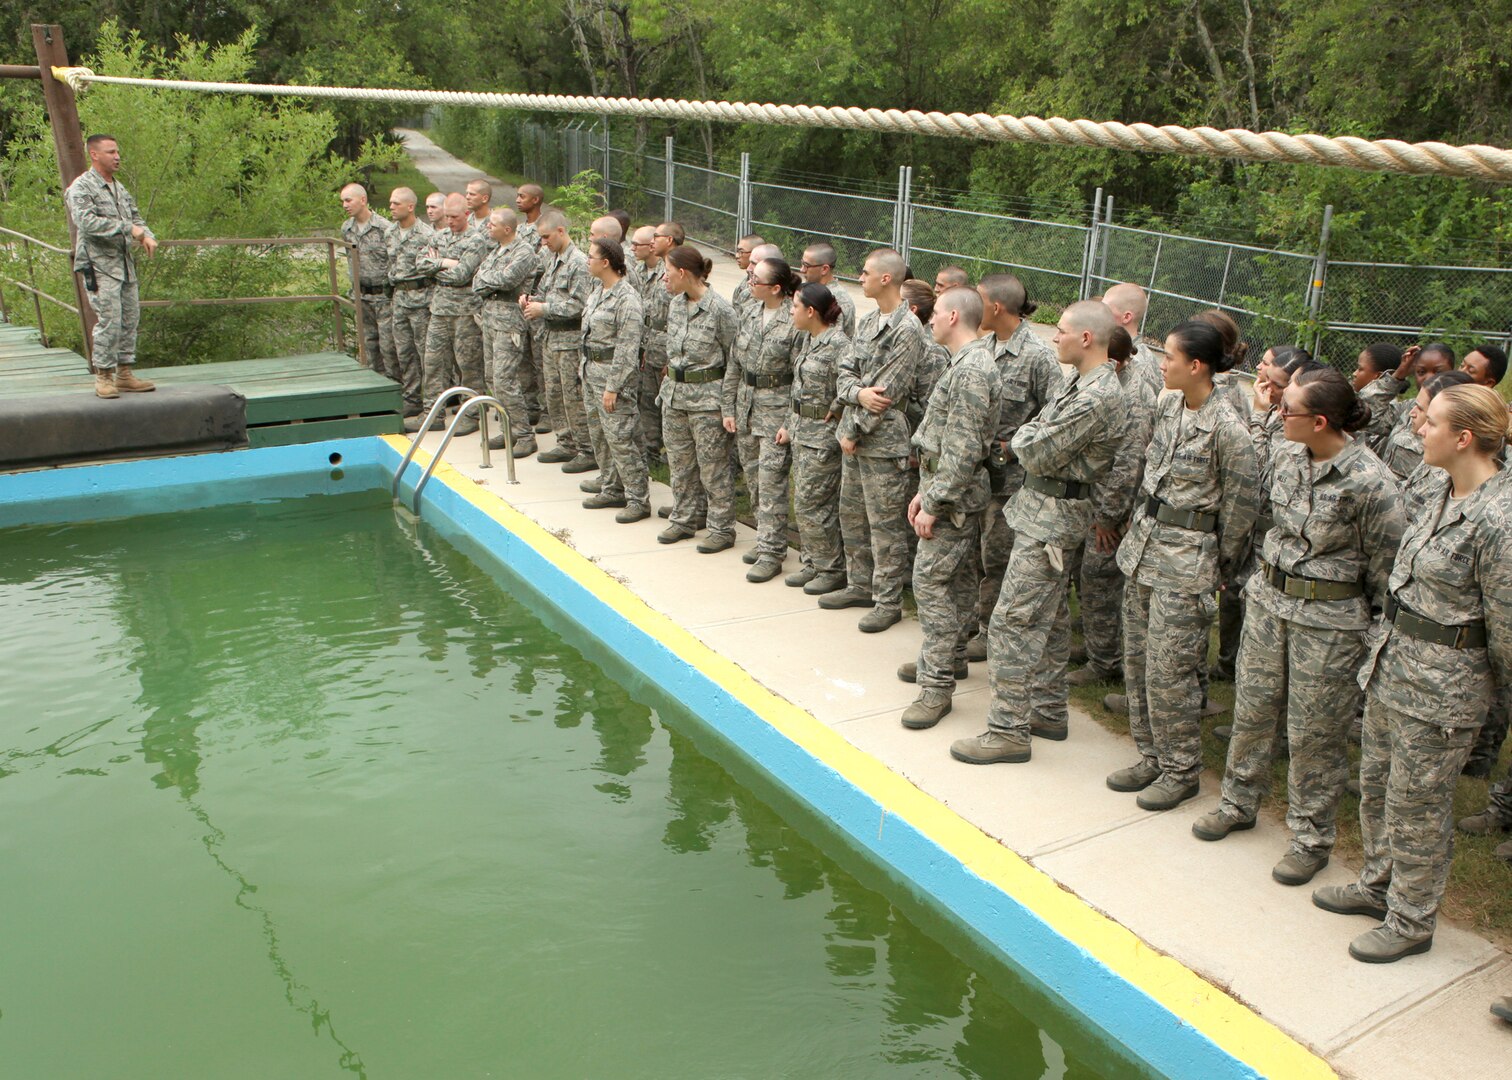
{"type": "Point", "coordinates": [105, 383]}
{"type": "Point", "coordinates": [125, 380]}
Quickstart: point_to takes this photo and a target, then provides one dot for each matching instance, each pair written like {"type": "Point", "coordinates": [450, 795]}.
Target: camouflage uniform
{"type": "Point", "coordinates": [1404, 448]}
{"type": "Point", "coordinates": [1031, 377]}
{"type": "Point", "coordinates": [1424, 700]}
{"type": "Point", "coordinates": [874, 480]}
{"type": "Point", "coordinates": [411, 306]}
{"type": "Point", "coordinates": [453, 345]}
{"type": "Point", "coordinates": [1075, 440]}
{"type": "Point", "coordinates": [763, 354]}
{"type": "Point", "coordinates": [1100, 584]}
{"type": "Point", "coordinates": [532, 381]}
{"type": "Point", "coordinates": [1381, 396]}
{"type": "Point", "coordinates": [952, 442]}
{"type": "Point", "coordinates": [502, 277]}
{"type": "Point", "coordinates": [1146, 363]}
{"type": "Point", "coordinates": [816, 453]}
{"type": "Point", "coordinates": [740, 299]}
{"type": "Point", "coordinates": [700, 336]}
{"type": "Point", "coordinates": [563, 290]}
{"type": "Point", "coordinates": [1337, 521]}
{"type": "Point", "coordinates": [654, 302]}
{"type": "Point", "coordinates": [372, 244]}
{"type": "Point", "coordinates": [1201, 462]}
{"type": "Point", "coordinates": [842, 297]}
{"type": "Point", "coordinates": [612, 328]}
{"type": "Point", "coordinates": [103, 214]}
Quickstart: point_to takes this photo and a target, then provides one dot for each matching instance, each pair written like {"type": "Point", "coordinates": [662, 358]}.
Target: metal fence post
{"type": "Point", "coordinates": [1102, 249]}
{"type": "Point", "coordinates": [896, 243]}
{"type": "Point", "coordinates": [1319, 275]}
{"type": "Point", "coordinates": [743, 198]}
{"type": "Point", "coordinates": [908, 214]}
{"type": "Point", "coordinates": [671, 177]}
{"type": "Point", "coordinates": [606, 160]}
{"type": "Point", "coordinates": [1089, 248]}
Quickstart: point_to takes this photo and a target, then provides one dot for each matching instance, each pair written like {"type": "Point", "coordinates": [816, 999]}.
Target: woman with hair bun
{"type": "Point", "coordinates": [810, 429]}
{"type": "Point", "coordinates": [757, 385]}
{"type": "Point", "coordinates": [1445, 646]}
{"type": "Point", "coordinates": [1323, 568]}
{"type": "Point", "coordinates": [612, 330]}
{"type": "Point", "coordinates": [700, 334]}
{"type": "Point", "coordinates": [1190, 529]}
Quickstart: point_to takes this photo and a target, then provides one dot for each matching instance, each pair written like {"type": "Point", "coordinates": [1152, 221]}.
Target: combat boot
{"type": "Point", "coordinates": [909, 672]}
{"type": "Point", "coordinates": [823, 584]}
{"type": "Point", "coordinates": [1503, 852]}
{"type": "Point", "coordinates": [1087, 676]}
{"type": "Point", "coordinates": [799, 577]}
{"type": "Point", "coordinates": [468, 425]}
{"type": "Point", "coordinates": [849, 596]}
{"type": "Point", "coordinates": [990, 748]}
{"type": "Point", "coordinates": [1167, 793]}
{"type": "Point", "coordinates": [1054, 730]}
{"type": "Point", "coordinates": [976, 649]}
{"type": "Point", "coordinates": [1483, 824]}
{"type": "Point", "coordinates": [580, 464]}
{"type": "Point", "coordinates": [129, 383]}
{"type": "Point", "coordinates": [927, 710]}
{"type": "Point", "coordinates": [631, 514]}
{"type": "Point", "coordinates": [414, 423]}
{"type": "Point", "coordinates": [592, 486]}
{"type": "Point", "coordinates": [1502, 1008]}
{"type": "Point", "coordinates": [555, 456]}
{"type": "Point", "coordinates": [673, 533]}
{"type": "Point", "coordinates": [1077, 654]}
{"type": "Point", "coordinates": [525, 447]}
{"type": "Point", "coordinates": [1217, 824]}
{"type": "Point", "coordinates": [1299, 867]}
{"type": "Point", "coordinates": [880, 618]}
{"type": "Point", "coordinates": [1384, 945]}
{"type": "Point", "coordinates": [1348, 900]}
{"type": "Point", "coordinates": [1116, 703]}
{"type": "Point", "coordinates": [603, 501]}
{"type": "Point", "coordinates": [1136, 777]}
{"type": "Point", "coordinates": [750, 557]}
{"type": "Point", "coordinates": [713, 545]}
{"type": "Point", "coordinates": [664, 511]}
{"type": "Point", "coordinates": [105, 386]}
{"type": "Point", "coordinates": [765, 569]}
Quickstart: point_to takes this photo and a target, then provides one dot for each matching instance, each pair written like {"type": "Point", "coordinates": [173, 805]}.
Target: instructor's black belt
{"type": "Point", "coordinates": [377, 290]}
{"type": "Point", "coordinates": [1462, 636]}
{"type": "Point", "coordinates": [500, 294]}
{"type": "Point", "coordinates": [1186, 519]}
{"type": "Point", "coordinates": [703, 375]}
{"type": "Point", "coordinates": [768, 382]}
{"type": "Point", "coordinates": [1306, 588]}
{"type": "Point", "coordinates": [1060, 489]}
{"type": "Point", "coordinates": [599, 356]}
{"type": "Point", "coordinates": [811, 412]}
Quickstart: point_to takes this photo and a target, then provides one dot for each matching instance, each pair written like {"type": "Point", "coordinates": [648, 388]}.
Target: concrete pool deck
{"type": "Point", "coordinates": [1213, 907]}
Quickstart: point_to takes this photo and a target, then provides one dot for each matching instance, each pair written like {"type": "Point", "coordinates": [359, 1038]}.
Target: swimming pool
{"type": "Point", "coordinates": [965, 884]}
{"type": "Point", "coordinates": [293, 787]}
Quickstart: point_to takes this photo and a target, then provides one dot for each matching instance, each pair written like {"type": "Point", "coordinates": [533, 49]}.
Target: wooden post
{"type": "Point", "coordinates": [68, 138]}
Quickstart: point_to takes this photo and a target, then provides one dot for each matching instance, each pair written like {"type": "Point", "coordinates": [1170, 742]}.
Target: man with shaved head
{"type": "Point", "coordinates": [655, 302]}
{"type": "Point", "coordinates": [875, 382]}
{"type": "Point", "coordinates": [479, 203]}
{"type": "Point", "coordinates": [505, 272]}
{"type": "Point", "coordinates": [1128, 303]}
{"type": "Point", "coordinates": [368, 233]}
{"type": "Point", "coordinates": [453, 341]}
{"type": "Point", "coordinates": [1031, 377]}
{"type": "Point", "coordinates": [949, 277]}
{"type": "Point", "coordinates": [818, 266]}
{"type": "Point", "coordinates": [745, 252]}
{"type": "Point", "coordinates": [556, 308]}
{"type": "Point", "coordinates": [529, 205]}
{"type": "Point", "coordinates": [946, 514]}
{"type": "Point", "coordinates": [409, 241]}
{"type": "Point", "coordinates": [435, 211]}
{"type": "Point", "coordinates": [1063, 451]}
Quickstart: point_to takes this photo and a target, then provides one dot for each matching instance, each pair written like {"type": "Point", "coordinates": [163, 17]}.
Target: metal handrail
{"type": "Point", "coordinates": [430, 418]}
{"type": "Point", "coordinates": [482, 402]}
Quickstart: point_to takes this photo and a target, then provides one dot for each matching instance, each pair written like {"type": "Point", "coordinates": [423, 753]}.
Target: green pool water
{"type": "Point", "coordinates": [289, 789]}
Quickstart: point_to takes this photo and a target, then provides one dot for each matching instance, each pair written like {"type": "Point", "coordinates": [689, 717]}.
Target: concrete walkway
{"type": "Point", "coordinates": [1213, 907]}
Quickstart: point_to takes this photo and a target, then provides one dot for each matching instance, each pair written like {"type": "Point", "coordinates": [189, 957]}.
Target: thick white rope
{"type": "Point", "coordinates": [1374, 155]}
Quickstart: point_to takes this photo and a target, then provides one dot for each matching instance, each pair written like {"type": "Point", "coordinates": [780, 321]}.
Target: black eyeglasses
{"type": "Point", "coordinates": [1287, 414]}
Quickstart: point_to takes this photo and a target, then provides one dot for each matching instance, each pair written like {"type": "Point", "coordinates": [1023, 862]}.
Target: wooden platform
{"type": "Point", "coordinates": [290, 399]}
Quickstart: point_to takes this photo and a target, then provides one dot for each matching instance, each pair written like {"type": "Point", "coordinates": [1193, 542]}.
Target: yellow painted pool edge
{"type": "Point", "coordinates": [1230, 1025]}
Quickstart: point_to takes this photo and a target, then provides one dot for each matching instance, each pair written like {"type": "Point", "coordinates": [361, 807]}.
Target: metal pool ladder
{"type": "Point", "coordinates": [481, 402]}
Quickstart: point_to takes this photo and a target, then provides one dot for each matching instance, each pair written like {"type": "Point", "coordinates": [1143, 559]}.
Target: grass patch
{"type": "Point", "coordinates": [403, 175]}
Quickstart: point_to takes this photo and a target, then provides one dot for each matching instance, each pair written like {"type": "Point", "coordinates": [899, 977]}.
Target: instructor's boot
{"type": "Point", "coordinates": [105, 386]}
{"type": "Point", "coordinates": [128, 383]}
{"type": "Point", "coordinates": [927, 709]}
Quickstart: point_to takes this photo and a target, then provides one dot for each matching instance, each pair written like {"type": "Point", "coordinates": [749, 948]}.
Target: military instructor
{"type": "Point", "coordinates": [107, 220]}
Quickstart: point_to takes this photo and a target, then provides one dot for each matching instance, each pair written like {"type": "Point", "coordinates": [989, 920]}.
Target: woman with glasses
{"type": "Point", "coordinates": [1323, 568]}
{"type": "Point", "coordinates": [757, 388]}
{"type": "Point", "coordinates": [1444, 647]}
{"type": "Point", "coordinates": [1190, 529]}
{"type": "Point", "coordinates": [612, 329]}
{"type": "Point", "coordinates": [810, 429]}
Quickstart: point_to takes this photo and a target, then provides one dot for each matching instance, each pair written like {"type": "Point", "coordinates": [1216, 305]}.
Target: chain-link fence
{"type": "Point", "coordinates": [1276, 296]}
